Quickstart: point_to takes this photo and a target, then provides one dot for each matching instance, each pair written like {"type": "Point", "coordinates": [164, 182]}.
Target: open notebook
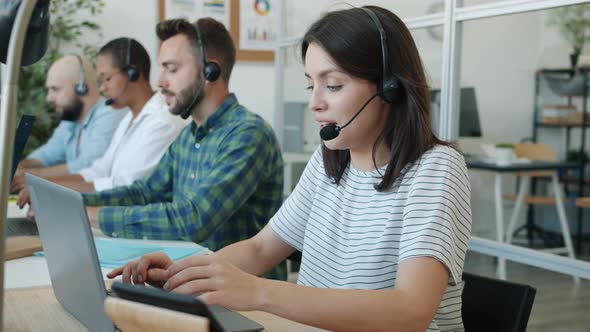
{"type": "Point", "coordinates": [113, 253]}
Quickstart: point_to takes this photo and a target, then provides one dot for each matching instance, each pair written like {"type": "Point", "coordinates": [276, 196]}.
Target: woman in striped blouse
{"type": "Point", "coordinates": [381, 213]}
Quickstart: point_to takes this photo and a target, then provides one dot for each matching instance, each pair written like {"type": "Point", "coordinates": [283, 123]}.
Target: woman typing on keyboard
{"type": "Point", "coordinates": [381, 213]}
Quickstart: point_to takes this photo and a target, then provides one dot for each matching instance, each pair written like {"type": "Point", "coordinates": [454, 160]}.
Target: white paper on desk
{"type": "Point", "coordinates": [490, 154]}
{"type": "Point", "coordinates": [489, 150]}
{"type": "Point", "coordinates": [114, 253]}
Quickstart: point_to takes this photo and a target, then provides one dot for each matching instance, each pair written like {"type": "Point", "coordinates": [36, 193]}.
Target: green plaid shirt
{"type": "Point", "coordinates": [217, 184]}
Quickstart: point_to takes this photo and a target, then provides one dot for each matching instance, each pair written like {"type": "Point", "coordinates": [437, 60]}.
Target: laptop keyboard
{"type": "Point", "coordinates": [20, 226]}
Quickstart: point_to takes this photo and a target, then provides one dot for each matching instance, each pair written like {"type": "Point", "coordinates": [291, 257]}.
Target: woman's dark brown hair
{"type": "Point", "coordinates": [351, 38]}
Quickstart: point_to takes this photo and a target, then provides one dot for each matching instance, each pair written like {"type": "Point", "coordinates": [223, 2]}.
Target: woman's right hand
{"type": "Point", "coordinates": [150, 269]}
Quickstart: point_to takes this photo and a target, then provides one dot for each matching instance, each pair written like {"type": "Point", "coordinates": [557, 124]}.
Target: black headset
{"type": "Point", "coordinates": [388, 85]}
{"type": "Point", "coordinates": [81, 88]}
{"type": "Point", "coordinates": [211, 69]}
{"type": "Point", "coordinates": [132, 72]}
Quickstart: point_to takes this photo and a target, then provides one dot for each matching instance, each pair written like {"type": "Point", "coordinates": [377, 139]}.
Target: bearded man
{"type": "Point", "coordinates": [221, 180]}
{"type": "Point", "coordinates": [86, 128]}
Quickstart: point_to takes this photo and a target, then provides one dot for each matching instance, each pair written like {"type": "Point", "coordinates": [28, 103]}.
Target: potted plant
{"type": "Point", "coordinates": [66, 28]}
{"type": "Point", "coordinates": [504, 153]}
{"type": "Point", "coordinates": [572, 22]}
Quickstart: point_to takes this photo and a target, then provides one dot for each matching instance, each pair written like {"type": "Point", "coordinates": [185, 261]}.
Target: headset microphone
{"type": "Point", "coordinates": [387, 86]}
{"type": "Point", "coordinates": [189, 109]}
{"type": "Point", "coordinates": [131, 72]}
{"type": "Point", "coordinates": [331, 131]}
{"type": "Point", "coordinates": [211, 70]}
{"type": "Point", "coordinates": [186, 113]}
{"type": "Point", "coordinates": [110, 101]}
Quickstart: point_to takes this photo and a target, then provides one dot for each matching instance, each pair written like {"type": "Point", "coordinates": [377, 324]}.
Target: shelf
{"type": "Point", "coordinates": [568, 179]}
{"type": "Point", "coordinates": [573, 179]}
{"type": "Point", "coordinates": [568, 83]}
{"type": "Point", "coordinates": [562, 70]}
{"type": "Point", "coordinates": [559, 125]}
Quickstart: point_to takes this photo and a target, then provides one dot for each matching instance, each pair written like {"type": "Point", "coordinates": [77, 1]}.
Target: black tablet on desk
{"type": "Point", "coordinates": [221, 319]}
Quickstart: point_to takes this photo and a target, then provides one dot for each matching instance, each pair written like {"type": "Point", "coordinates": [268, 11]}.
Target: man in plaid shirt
{"type": "Point", "coordinates": [221, 180]}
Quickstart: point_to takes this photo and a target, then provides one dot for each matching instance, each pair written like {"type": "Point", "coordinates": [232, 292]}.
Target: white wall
{"type": "Point", "coordinates": [130, 18]}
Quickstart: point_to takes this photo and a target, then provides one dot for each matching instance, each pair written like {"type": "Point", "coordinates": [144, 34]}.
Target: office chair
{"type": "Point", "coordinates": [293, 263]}
{"type": "Point", "coordinates": [492, 305]}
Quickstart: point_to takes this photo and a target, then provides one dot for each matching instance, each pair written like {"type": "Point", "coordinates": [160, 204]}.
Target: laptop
{"type": "Point", "coordinates": [73, 263]}
{"type": "Point", "coordinates": [21, 226]}
{"type": "Point", "coordinates": [21, 137]}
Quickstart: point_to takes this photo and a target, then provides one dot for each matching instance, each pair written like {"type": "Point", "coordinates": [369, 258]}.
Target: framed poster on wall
{"type": "Point", "coordinates": [252, 23]}
{"type": "Point", "coordinates": [194, 9]}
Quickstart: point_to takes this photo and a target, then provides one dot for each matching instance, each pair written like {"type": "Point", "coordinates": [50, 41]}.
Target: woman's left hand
{"type": "Point", "coordinates": [218, 282]}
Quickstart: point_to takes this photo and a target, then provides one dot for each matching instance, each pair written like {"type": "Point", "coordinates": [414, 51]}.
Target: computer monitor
{"type": "Point", "coordinates": [469, 125]}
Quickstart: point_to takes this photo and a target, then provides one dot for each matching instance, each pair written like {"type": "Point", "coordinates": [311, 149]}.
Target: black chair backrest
{"type": "Point", "coordinates": [495, 305]}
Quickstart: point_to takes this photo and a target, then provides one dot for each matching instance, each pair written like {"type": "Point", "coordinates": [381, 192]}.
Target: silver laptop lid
{"type": "Point", "coordinates": [70, 251]}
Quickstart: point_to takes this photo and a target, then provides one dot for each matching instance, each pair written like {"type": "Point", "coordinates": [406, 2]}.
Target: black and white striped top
{"type": "Point", "coordinates": [354, 237]}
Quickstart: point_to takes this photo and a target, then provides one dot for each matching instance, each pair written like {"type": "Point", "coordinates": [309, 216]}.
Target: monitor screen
{"type": "Point", "coordinates": [469, 125]}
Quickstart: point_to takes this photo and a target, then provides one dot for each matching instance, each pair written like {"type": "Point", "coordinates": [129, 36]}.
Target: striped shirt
{"type": "Point", "coordinates": [353, 237]}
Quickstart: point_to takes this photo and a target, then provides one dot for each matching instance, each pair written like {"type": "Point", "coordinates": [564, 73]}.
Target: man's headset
{"type": "Point", "coordinates": [387, 86]}
{"type": "Point", "coordinates": [211, 70]}
{"type": "Point", "coordinates": [81, 88]}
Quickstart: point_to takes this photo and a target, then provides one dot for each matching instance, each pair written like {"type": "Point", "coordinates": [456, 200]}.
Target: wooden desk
{"type": "Point", "coordinates": [37, 309]}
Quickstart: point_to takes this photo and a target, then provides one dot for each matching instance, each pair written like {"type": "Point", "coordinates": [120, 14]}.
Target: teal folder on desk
{"type": "Point", "coordinates": [115, 253]}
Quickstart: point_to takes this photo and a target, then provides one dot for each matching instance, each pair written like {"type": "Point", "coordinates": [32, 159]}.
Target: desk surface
{"type": "Point", "coordinates": [520, 167]}
{"type": "Point", "coordinates": [32, 271]}
{"type": "Point", "coordinates": [30, 305]}
{"type": "Point", "coordinates": [36, 309]}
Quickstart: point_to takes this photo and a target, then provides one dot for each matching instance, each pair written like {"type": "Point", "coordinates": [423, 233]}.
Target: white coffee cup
{"type": "Point", "coordinates": [504, 156]}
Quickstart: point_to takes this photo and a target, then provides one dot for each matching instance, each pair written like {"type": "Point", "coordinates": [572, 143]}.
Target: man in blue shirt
{"type": "Point", "coordinates": [86, 128]}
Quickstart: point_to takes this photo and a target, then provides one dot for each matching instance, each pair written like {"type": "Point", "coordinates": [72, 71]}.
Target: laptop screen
{"type": "Point", "coordinates": [20, 140]}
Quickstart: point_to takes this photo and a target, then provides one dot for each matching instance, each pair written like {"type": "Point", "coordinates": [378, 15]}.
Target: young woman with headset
{"type": "Point", "coordinates": [381, 213]}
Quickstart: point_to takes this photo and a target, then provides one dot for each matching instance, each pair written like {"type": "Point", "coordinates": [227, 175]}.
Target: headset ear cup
{"type": "Point", "coordinates": [211, 71]}
{"type": "Point", "coordinates": [132, 74]}
{"type": "Point", "coordinates": [81, 89]}
{"type": "Point", "coordinates": [389, 89]}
